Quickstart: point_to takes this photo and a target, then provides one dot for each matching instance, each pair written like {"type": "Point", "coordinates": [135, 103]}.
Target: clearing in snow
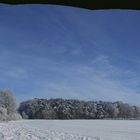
{"type": "Point", "coordinates": [70, 130]}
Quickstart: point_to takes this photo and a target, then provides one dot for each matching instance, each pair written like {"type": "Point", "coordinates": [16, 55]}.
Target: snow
{"type": "Point", "coordinates": [70, 130]}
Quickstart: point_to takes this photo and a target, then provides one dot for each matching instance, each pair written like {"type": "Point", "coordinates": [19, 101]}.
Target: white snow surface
{"type": "Point", "coordinates": [70, 130]}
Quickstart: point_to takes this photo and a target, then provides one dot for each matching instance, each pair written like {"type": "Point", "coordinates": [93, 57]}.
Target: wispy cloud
{"type": "Point", "coordinates": [70, 53]}
{"type": "Point", "coordinates": [16, 73]}
{"type": "Point", "coordinates": [89, 82]}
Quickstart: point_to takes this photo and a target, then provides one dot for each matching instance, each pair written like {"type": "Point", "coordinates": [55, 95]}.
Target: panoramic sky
{"type": "Point", "coordinates": [55, 51]}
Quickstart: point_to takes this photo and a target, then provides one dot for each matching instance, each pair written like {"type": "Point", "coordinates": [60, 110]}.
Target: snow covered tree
{"type": "Point", "coordinates": [76, 109]}
{"type": "Point", "coordinates": [3, 114]}
{"type": "Point", "coordinates": [8, 106]}
{"type": "Point", "coordinates": [8, 101]}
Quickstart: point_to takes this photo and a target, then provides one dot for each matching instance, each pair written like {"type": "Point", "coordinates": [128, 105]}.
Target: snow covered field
{"type": "Point", "coordinates": [70, 130]}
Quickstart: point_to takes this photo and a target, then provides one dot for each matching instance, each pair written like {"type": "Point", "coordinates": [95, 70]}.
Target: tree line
{"type": "Point", "coordinates": [77, 109]}
{"type": "Point", "coordinates": [64, 109]}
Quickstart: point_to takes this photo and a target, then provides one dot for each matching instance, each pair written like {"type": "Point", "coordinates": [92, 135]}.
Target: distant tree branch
{"type": "Point", "coordinates": [88, 4]}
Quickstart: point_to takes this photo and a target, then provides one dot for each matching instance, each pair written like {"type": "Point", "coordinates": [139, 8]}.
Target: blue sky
{"type": "Point", "coordinates": [55, 51]}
